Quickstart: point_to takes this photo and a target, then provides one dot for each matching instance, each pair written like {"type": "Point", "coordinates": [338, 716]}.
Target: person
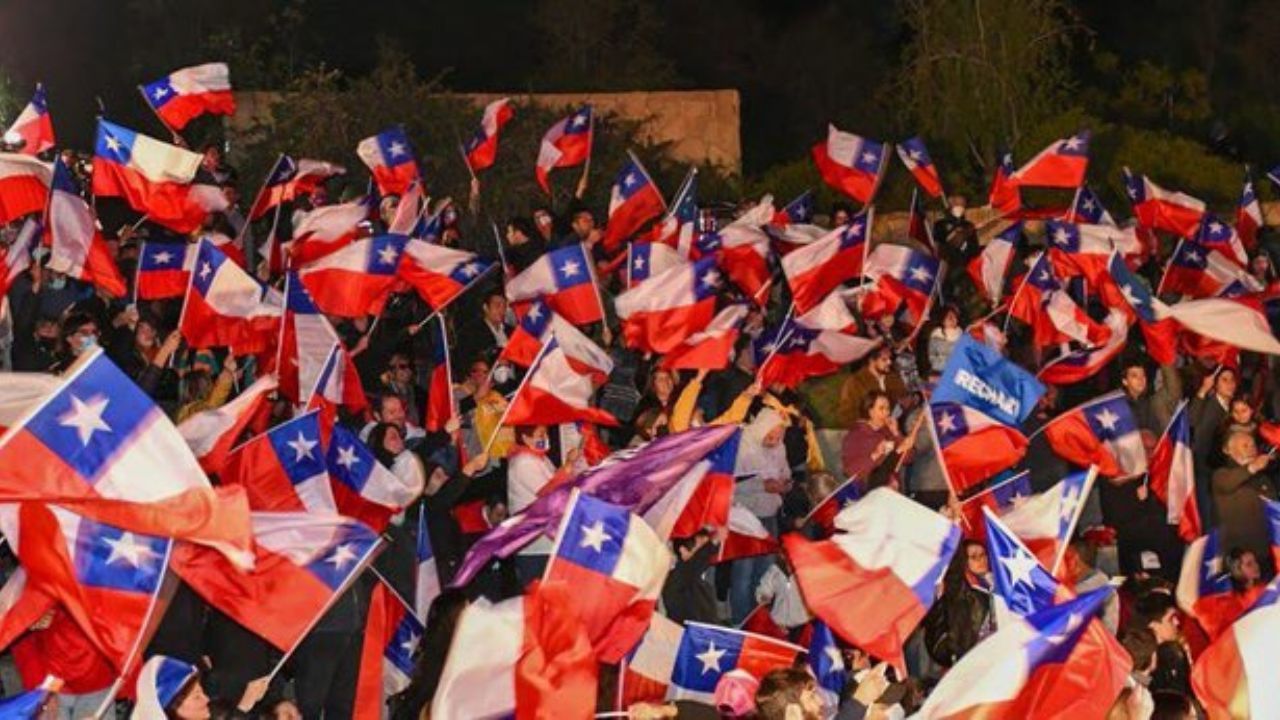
{"type": "Point", "coordinates": [1239, 488]}
{"type": "Point", "coordinates": [525, 243]}
{"type": "Point", "coordinates": [943, 338]}
{"type": "Point", "coordinates": [433, 651]}
{"type": "Point", "coordinates": [487, 341]}
{"type": "Point", "coordinates": [653, 413]}
{"type": "Point", "coordinates": [200, 392]}
{"type": "Point", "coordinates": [400, 380]}
{"type": "Point", "coordinates": [391, 409]}
{"type": "Point", "coordinates": [388, 447]}
{"type": "Point", "coordinates": [961, 616]}
{"type": "Point", "coordinates": [762, 463]}
{"type": "Point", "coordinates": [1152, 407]}
{"type": "Point", "coordinates": [1217, 612]}
{"type": "Point", "coordinates": [442, 491]}
{"type": "Point", "coordinates": [788, 694]}
{"type": "Point", "coordinates": [482, 407]}
{"type": "Point", "coordinates": [55, 645]}
{"type": "Point", "coordinates": [529, 470]}
{"type": "Point", "coordinates": [1207, 412]}
{"type": "Point", "coordinates": [876, 374]}
{"type": "Point", "coordinates": [1140, 643]}
{"type": "Point", "coordinates": [874, 442]}
{"type": "Point", "coordinates": [688, 595]}
{"type": "Point", "coordinates": [780, 590]}
{"type": "Point", "coordinates": [170, 688]}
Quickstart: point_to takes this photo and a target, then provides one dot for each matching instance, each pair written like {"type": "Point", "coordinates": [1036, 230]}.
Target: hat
{"type": "Point", "coordinates": [735, 694]}
{"type": "Point", "coordinates": [160, 681]}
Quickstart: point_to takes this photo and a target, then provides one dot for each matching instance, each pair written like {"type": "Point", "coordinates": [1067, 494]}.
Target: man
{"type": "Point", "coordinates": [1152, 407]}
{"type": "Point", "coordinates": [391, 409]}
{"type": "Point", "coordinates": [1208, 412]}
{"type": "Point", "coordinates": [487, 341]}
{"type": "Point", "coordinates": [1238, 490]}
{"type": "Point", "coordinates": [876, 374]}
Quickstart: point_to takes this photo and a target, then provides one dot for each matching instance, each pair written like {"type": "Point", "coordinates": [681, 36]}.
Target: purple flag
{"type": "Point", "coordinates": [635, 479]}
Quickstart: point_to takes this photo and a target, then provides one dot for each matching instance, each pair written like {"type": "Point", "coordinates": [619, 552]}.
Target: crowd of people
{"type": "Point", "coordinates": [475, 472]}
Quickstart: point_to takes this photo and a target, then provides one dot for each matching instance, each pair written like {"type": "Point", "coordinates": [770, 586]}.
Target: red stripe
{"type": "Point", "coordinates": [857, 184]}
{"type": "Point", "coordinates": [663, 331]}
{"type": "Point", "coordinates": [182, 109]}
{"type": "Point", "coordinates": [348, 293]}
{"type": "Point", "coordinates": [579, 304]}
{"type": "Point", "coordinates": [204, 326]}
{"type": "Point", "coordinates": [21, 195]}
{"type": "Point", "coordinates": [556, 673]}
{"type": "Point", "coordinates": [614, 618]}
{"type": "Point", "coordinates": [167, 203]}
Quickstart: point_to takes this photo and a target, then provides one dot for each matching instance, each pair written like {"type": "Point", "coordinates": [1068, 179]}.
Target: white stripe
{"type": "Point", "coordinates": [478, 680]}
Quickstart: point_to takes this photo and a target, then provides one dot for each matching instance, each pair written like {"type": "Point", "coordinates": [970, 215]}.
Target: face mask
{"type": "Point", "coordinates": [57, 283]}
{"type": "Point", "coordinates": [957, 211]}
{"type": "Point", "coordinates": [88, 342]}
{"type": "Point", "coordinates": [540, 445]}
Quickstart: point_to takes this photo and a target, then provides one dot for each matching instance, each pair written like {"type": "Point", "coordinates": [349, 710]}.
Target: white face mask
{"type": "Point", "coordinates": [957, 211]}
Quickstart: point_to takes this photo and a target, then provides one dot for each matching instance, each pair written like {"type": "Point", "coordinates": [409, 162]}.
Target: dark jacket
{"type": "Point", "coordinates": [953, 625]}
{"type": "Point", "coordinates": [687, 595]}
{"type": "Point", "coordinates": [1237, 494]}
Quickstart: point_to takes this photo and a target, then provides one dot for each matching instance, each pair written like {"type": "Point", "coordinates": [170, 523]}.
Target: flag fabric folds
{"type": "Point", "coordinates": [816, 269]}
{"type": "Point", "coordinates": [24, 186]}
{"type": "Point", "coordinates": [481, 149]}
{"type": "Point", "coordinates": [33, 127]}
{"type": "Point", "coordinates": [1235, 675]}
{"type": "Point", "coordinates": [227, 307]}
{"type": "Point", "coordinates": [633, 201]}
{"type": "Point", "coordinates": [566, 144]}
{"type": "Point", "coordinates": [563, 278]}
{"type": "Point", "coordinates": [1172, 475]}
{"type": "Point", "coordinates": [77, 248]}
{"type": "Point", "coordinates": [850, 163]}
{"type": "Point", "coordinates": [356, 280]}
{"type": "Point", "coordinates": [1100, 432]}
{"type": "Point", "coordinates": [660, 313]}
{"type": "Point", "coordinates": [1062, 164]}
{"type": "Point", "coordinates": [185, 94]}
{"type": "Point", "coordinates": [389, 157]}
{"type": "Point", "coordinates": [708, 652]}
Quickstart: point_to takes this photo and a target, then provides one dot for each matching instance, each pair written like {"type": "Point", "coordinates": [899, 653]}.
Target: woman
{"type": "Point", "coordinates": [526, 244]}
{"type": "Point", "coordinates": [653, 413]}
{"type": "Point", "coordinates": [762, 462]}
{"type": "Point", "coordinates": [529, 470]}
{"type": "Point", "coordinates": [169, 688]}
{"type": "Point", "coordinates": [961, 616]}
{"type": "Point", "coordinates": [433, 650]}
{"type": "Point", "coordinates": [874, 442]}
{"type": "Point", "coordinates": [388, 447]}
{"type": "Point", "coordinates": [200, 391]}
{"type": "Point", "coordinates": [944, 338]}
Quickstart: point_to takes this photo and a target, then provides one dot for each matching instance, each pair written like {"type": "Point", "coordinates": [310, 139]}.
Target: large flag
{"type": "Point", "coordinates": [981, 378]}
{"type": "Point", "coordinates": [1235, 676]}
{"type": "Point", "coordinates": [875, 582]}
{"type": "Point", "coordinates": [539, 324]}
{"type": "Point", "coordinates": [903, 277]}
{"type": "Point", "coordinates": [164, 270]}
{"type": "Point", "coordinates": [308, 344]}
{"type": "Point", "coordinates": [1162, 209]}
{"type": "Point", "coordinates": [1077, 365]}
{"type": "Point", "coordinates": [527, 657]}
{"type": "Point", "coordinates": [711, 347]}
{"type": "Point", "coordinates": [646, 673]}
{"type": "Point", "coordinates": [1085, 250]}
{"type": "Point", "coordinates": [326, 230]}
{"type": "Point", "coordinates": [1088, 209]}
{"type": "Point", "coordinates": [1021, 584]}
{"type": "Point", "coordinates": [1205, 590]}
{"type": "Point", "coordinates": [614, 565]}
{"type": "Point", "coordinates": [33, 127]}
{"type": "Point", "coordinates": [76, 245]}
{"type": "Point", "coordinates": [816, 269]}
{"type": "Point", "coordinates": [107, 578]}
{"type": "Point", "coordinates": [1125, 292]}
{"type": "Point", "coordinates": [1215, 233]}
{"type": "Point", "coordinates": [356, 280]}
{"type": "Point", "coordinates": [1017, 672]}
{"type": "Point", "coordinates": [677, 228]}
{"type": "Point", "coordinates": [185, 94]}
{"type": "Point", "coordinates": [284, 469]}
{"type": "Point", "coordinates": [1173, 477]}
{"type": "Point", "coordinates": [154, 177]}
{"type": "Point", "coordinates": [481, 149]}
{"type": "Point", "coordinates": [567, 143]}
{"type": "Point", "coordinates": [709, 504]}
{"type": "Point", "coordinates": [1000, 496]}
{"type": "Point", "coordinates": [24, 186]}
{"type": "Point", "coordinates": [660, 313]}
{"type": "Point", "coordinates": [1041, 302]}
{"type": "Point", "coordinates": [553, 392]}
{"type": "Point", "coordinates": [1239, 322]}
{"type": "Point", "coordinates": [851, 163]}
{"type": "Point", "coordinates": [226, 307]}
{"type": "Point", "coordinates": [915, 156]}
{"type": "Point", "coordinates": [1062, 164]}
{"type": "Point", "coordinates": [744, 250]}
{"type": "Point", "coordinates": [290, 179]}
{"type": "Point", "coordinates": [440, 274]}
{"type": "Point", "coordinates": [793, 352]}
{"type": "Point", "coordinates": [1201, 271]}
{"type": "Point", "coordinates": [633, 201]}
{"type": "Point", "coordinates": [972, 445]}
{"type": "Point", "coordinates": [989, 269]}
{"type": "Point", "coordinates": [1047, 522]}
{"type": "Point", "coordinates": [316, 556]}
{"type": "Point", "coordinates": [212, 433]}
{"type": "Point", "coordinates": [387, 653]}
{"type": "Point", "coordinates": [362, 487]}
{"type": "Point", "coordinates": [389, 157]}
{"type": "Point", "coordinates": [646, 259]}
{"type": "Point", "coordinates": [1100, 432]}
{"type": "Point", "coordinates": [707, 652]}
{"type": "Point", "coordinates": [564, 280]}
{"type": "Point", "coordinates": [94, 444]}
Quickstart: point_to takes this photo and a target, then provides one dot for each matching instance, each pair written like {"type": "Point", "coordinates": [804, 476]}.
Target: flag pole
{"type": "Point", "coordinates": [777, 345]}
{"type": "Point", "coordinates": [488, 445]}
{"type": "Point", "coordinates": [586, 165]}
{"type": "Point", "coordinates": [502, 255]}
{"type": "Point", "coordinates": [464, 289]}
{"type": "Point", "coordinates": [248, 218]}
{"type": "Point", "coordinates": [1164, 273]}
{"type": "Point", "coordinates": [177, 139]}
{"type": "Point", "coordinates": [1075, 519]}
{"type": "Point", "coordinates": [1014, 299]}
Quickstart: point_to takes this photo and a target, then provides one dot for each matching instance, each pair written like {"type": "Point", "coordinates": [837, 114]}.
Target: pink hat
{"type": "Point", "coordinates": [735, 694]}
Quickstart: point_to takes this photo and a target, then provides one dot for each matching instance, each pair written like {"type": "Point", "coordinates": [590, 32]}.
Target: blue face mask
{"type": "Point", "coordinates": [57, 282]}
{"type": "Point", "coordinates": [540, 445]}
{"type": "Point", "coordinates": [88, 342]}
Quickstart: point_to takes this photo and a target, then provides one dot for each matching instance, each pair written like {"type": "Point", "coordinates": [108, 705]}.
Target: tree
{"type": "Point", "coordinates": [600, 45]}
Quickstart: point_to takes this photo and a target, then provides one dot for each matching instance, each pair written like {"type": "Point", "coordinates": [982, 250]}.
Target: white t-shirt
{"type": "Point", "coordinates": [527, 473]}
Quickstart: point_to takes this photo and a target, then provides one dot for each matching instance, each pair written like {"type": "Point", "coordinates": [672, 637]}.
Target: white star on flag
{"type": "Point", "coordinates": [301, 446]}
{"type": "Point", "coordinates": [1073, 622]}
{"type": "Point", "coordinates": [86, 418]}
{"type": "Point", "coordinates": [855, 230]}
{"type": "Point", "coordinates": [1019, 566]}
{"type": "Point", "coordinates": [468, 270]}
{"type": "Point", "coordinates": [710, 658]}
{"type": "Point", "coordinates": [113, 144]}
{"type": "Point", "coordinates": [869, 157]}
{"type": "Point", "coordinates": [205, 269]}
{"type": "Point", "coordinates": [1072, 143]}
{"type": "Point", "coordinates": [920, 274]}
{"type": "Point", "coordinates": [639, 263]}
{"type": "Point", "coordinates": [711, 278]}
{"type": "Point", "coordinates": [947, 424]}
{"type": "Point", "coordinates": [1215, 227]}
{"type": "Point", "coordinates": [160, 92]}
{"type": "Point", "coordinates": [570, 268]}
{"type": "Point", "coordinates": [347, 457]}
{"type": "Point", "coordinates": [535, 313]}
{"type": "Point", "coordinates": [127, 548]}
{"type": "Point", "coordinates": [1127, 291]}
{"type": "Point", "coordinates": [594, 536]}
{"type": "Point", "coordinates": [341, 555]}
{"type": "Point", "coordinates": [1107, 419]}
{"type": "Point", "coordinates": [629, 180]}
{"type": "Point", "coordinates": [387, 255]}
{"type": "Point", "coordinates": [1193, 256]}
{"type": "Point", "coordinates": [1060, 237]}
{"type": "Point", "coordinates": [579, 120]}
{"type": "Point", "coordinates": [396, 149]}
{"type": "Point", "coordinates": [162, 258]}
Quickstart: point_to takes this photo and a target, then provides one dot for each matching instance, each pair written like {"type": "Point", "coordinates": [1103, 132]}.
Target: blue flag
{"type": "Point", "coordinates": [983, 379]}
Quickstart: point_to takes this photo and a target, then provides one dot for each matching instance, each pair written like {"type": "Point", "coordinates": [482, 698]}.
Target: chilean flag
{"type": "Point", "coordinates": [1216, 234]}
{"type": "Point", "coordinates": [646, 259]}
{"type": "Point", "coordinates": [793, 353]}
{"type": "Point", "coordinates": [659, 314]}
{"type": "Point", "coordinates": [1021, 584]}
{"type": "Point", "coordinates": [440, 274]}
{"type": "Point", "coordinates": [389, 157]}
{"type": "Point", "coordinates": [564, 280]}
{"type": "Point", "coordinates": [482, 148]}
{"type": "Point", "coordinates": [1248, 213]}
{"type": "Point", "coordinates": [426, 585]}
{"type": "Point", "coordinates": [1100, 432]}
{"type": "Point", "coordinates": [823, 514]}
{"type": "Point", "coordinates": [1085, 250]}
{"type": "Point", "coordinates": [1235, 675]}
{"type": "Point", "coordinates": [633, 201]}
{"type": "Point", "coordinates": [989, 269]}
{"type": "Point", "coordinates": [678, 226]}
{"type": "Point", "coordinates": [1018, 671]}
{"type": "Point", "coordinates": [154, 177]}
{"type": "Point", "coordinates": [711, 501]}
{"type": "Point", "coordinates": [17, 257]}
{"type": "Point", "coordinates": [1123, 291]}
{"type": "Point", "coordinates": [441, 407]}
{"type": "Point", "coordinates": [536, 328]}
{"type": "Point", "coordinates": [554, 392]}
{"type": "Point", "coordinates": [1162, 209]}
{"type": "Point", "coordinates": [814, 270]}
{"type": "Point", "coordinates": [913, 154]}
{"type": "Point", "coordinates": [191, 92]}
{"type": "Point", "coordinates": [1000, 497]}
{"type": "Point", "coordinates": [744, 252]}
{"type": "Point", "coordinates": [226, 307]}
{"type": "Point", "coordinates": [1239, 322]}
{"type": "Point", "coordinates": [24, 186]}
{"type": "Point", "coordinates": [1074, 366]}
{"type": "Point", "coordinates": [566, 144]}
{"type": "Point", "coordinates": [33, 127]}
{"type": "Point", "coordinates": [973, 446]}
{"type": "Point", "coordinates": [1200, 271]}
{"type": "Point", "coordinates": [391, 637]}
{"type": "Point", "coordinates": [645, 674]}
{"type": "Point", "coordinates": [284, 469]}
{"type": "Point", "coordinates": [1004, 197]}
{"type": "Point", "coordinates": [707, 652]}
{"type": "Point", "coordinates": [1088, 209]}
{"type": "Point", "coordinates": [107, 578]}
{"type": "Point", "coordinates": [1062, 164]}
{"type": "Point", "coordinates": [93, 445]}
{"type": "Point", "coordinates": [326, 230]}
{"type": "Point", "coordinates": [711, 347]}
{"type": "Point", "coordinates": [850, 163]}
{"type": "Point", "coordinates": [1053, 316]}
{"type": "Point", "coordinates": [1205, 590]}
{"type": "Point", "coordinates": [76, 245]}
{"type": "Point", "coordinates": [615, 565]}
{"type": "Point", "coordinates": [356, 280]}
{"type": "Point", "coordinates": [362, 488]}
{"type": "Point", "coordinates": [1047, 521]}
{"type": "Point", "coordinates": [290, 179]}
{"type": "Point", "coordinates": [747, 537]}
{"type": "Point", "coordinates": [315, 556]}
{"type": "Point", "coordinates": [918, 227]}
{"type": "Point", "coordinates": [1172, 475]}
{"type": "Point", "coordinates": [526, 657]}
{"type": "Point", "coordinates": [797, 212]}
{"type": "Point", "coordinates": [164, 270]}
{"type": "Point", "coordinates": [308, 344]}
{"type": "Point", "coordinates": [902, 277]}
{"type": "Point", "coordinates": [30, 704]}
{"type": "Point", "coordinates": [212, 433]}
{"type": "Point", "coordinates": [874, 582]}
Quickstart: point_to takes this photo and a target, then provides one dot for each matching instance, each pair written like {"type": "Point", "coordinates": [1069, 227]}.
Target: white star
{"type": "Point", "coordinates": [1129, 296]}
{"type": "Point", "coordinates": [1215, 227]}
{"type": "Point", "coordinates": [1248, 190]}
{"type": "Point", "coordinates": [468, 270]}
{"type": "Point", "coordinates": [629, 180]}
{"type": "Point", "coordinates": [915, 155]}
{"type": "Point", "coordinates": [570, 268]}
{"type": "Point", "coordinates": [160, 92]}
{"type": "Point", "coordinates": [594, 536]}
{"type": "Point", "coordinates": [1087, 204]}
{"type": "Point", "coordinates": [855, 230]}
{"type": "Point", "coordinates": [638, 264]}
{"type": "Point", "coordinates": [341, 555]}
{"type": "Point", "coordinates": [387, 255]}
{"type": "Point", "coordinates": [1193, 257]}
{"type": "Point", "coordinates": [1060, 237]}
{"type": "Point", "coordinates": [396, 149]}
{"type": "Point", "coordinates": [710, 658]}
{"type": "Point", "coordinates": [869, 157]}
{"type": "Point", "coordinates": [1107, 419]}
{"type": "Point", "coordinates": [1072, 143]}
{"type": "Point", "coordinates": [1213, 566]}
{"type": "Point", "coordinates": [86, 418]}
{"type": "Point", "coordinates": [535, 313]}
{"type": "Point", "coordinates": [409, 644]}
{"type": "Point", "coordinates": [1019, 567]}
{"type": "Point", "coordinates": [205, 269]}
{"type": "Point", "coordinates": [127, 548]}
{"type": "Point", "coordinates": [1133, 193]}
{"type": "Point", "coordinates": [301, 446]}
{"type": "Point", "coordinates": [711, 278]}
{"type": "Point", "coordinates": [1043, 276]}
{"type": "Point", "coordinates": [920, 274]}
{"type": "Point", "coordinates": [833, 653]}
{"type": "Point", "coordinates": [346, 457]}
{"type": "Point", "coordinates": [113, 144]}
{"type": "Point", "coordinates": [947, 423]}
{"type": "Point", "coordinates": [579, 120]}
{"type": "Point", "coordinates": [1069, 502]}
{"type": "Point", "coordinates": [163, 257]}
